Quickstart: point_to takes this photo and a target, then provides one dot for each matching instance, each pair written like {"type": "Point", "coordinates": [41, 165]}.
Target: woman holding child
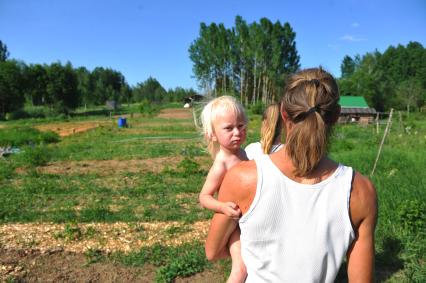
{"type": "Point", "coordinates": [302, 212]}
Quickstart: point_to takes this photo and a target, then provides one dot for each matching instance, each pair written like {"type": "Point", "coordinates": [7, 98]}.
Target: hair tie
{"type": "Point", "coordinates": [312, 110]}
{"type": "Point", "coordinates": [305, 114]}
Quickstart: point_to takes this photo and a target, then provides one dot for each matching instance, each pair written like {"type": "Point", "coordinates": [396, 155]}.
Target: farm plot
{"type": "Point", "coordinates": [110, 204]}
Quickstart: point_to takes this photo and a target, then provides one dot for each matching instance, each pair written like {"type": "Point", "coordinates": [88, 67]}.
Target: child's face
{"type": "Point", "coordinates": [229, 130]}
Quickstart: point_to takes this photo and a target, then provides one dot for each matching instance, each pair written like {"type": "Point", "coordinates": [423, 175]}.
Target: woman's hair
{"type": "Point", "coordinates": [311, 102]}
{"type": "Point", "coordinates": [214, 108]}
{"type": "Point", "coordinates": [271, 127]}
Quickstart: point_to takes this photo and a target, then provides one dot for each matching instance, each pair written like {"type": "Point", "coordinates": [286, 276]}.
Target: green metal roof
{"type": "Point", "coordinates": [353, 101]}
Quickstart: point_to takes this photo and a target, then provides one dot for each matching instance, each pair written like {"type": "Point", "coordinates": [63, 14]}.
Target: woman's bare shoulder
{"type": "Point", "coordinates": [363, 188]}
{"type": "Point", "coordinates": [363, 199]}
{"type": "Point", "coordinates": [239, 182]}
{"type": "Point", "coordinates": [244, 171]}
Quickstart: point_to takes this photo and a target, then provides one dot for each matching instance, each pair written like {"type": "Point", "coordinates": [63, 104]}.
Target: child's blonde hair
{"type": "Point", "coordinates": [271, 127]}
{"type": "Point", "coordinates": [221, 104]}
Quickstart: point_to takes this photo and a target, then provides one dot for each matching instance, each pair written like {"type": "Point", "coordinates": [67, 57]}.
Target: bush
{"type": "Point", "coordinates": [18, 114]}
{"type": "Point", "coordinates": [19, 136]}
{"type": "Point", "coordinates": [36, 156]}
{"type": "Point", "coordinates": [148, 108]}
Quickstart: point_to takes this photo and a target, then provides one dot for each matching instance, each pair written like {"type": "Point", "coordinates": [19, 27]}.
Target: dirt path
{"type": "Point", "coordinates": [112, 167]}
{"type": "Point", "coordinates": [176, 113]}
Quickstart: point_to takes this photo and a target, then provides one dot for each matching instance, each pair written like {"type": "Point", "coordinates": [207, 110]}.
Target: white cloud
{"type": "Point", "coordinates": [352, 38]}
{"type": "Point", "coordinates": [355, 25]}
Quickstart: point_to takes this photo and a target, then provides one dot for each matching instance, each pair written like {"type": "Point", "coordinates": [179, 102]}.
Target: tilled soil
{"type": "Point", "coordinates": [55, 259]}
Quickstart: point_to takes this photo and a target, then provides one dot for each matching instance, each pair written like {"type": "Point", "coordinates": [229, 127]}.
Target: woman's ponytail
{"type": "Point", "coordinates": [311, 103]}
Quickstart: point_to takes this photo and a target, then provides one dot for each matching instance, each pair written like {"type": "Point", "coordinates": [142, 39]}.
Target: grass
{"type": "Point", "coordinates": [183, 260]}
{"type": "Point", "coordinates": [29, 194]}
{"type": "Point", "coordinates": [25, 135]}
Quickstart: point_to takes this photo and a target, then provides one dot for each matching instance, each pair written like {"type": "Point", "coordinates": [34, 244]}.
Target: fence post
{"type": "Point", "coordinates": [383, 140]}
{"type": "Point", "coordinates": [400, 120]}
{"type": "Point", "coordinates": [377, 123]}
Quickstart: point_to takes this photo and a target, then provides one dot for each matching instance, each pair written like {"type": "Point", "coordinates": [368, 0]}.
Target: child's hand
{"type": "Point", "coordinates": [231, 209]}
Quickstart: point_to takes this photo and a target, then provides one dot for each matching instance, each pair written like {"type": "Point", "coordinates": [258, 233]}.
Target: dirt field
{"type": "Point", "coordinates": [57, 265]}
{"type": "Point", "coordinates": [69, 128]}
{"type": "Point", "coordinates": [35, 252]}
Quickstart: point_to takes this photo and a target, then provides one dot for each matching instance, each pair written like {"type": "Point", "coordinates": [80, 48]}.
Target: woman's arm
{"type": "Point", "coordinates": [221, 228]}
{"type": "Point", "coordinates": [363, 207]}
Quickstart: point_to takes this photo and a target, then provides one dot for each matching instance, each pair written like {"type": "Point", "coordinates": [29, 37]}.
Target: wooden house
{"type": "Point", "coordinates": [355, 110]}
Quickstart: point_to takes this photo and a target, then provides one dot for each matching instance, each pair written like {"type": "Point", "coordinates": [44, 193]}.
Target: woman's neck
{"type": "Point", "coordinates": [322, 171]}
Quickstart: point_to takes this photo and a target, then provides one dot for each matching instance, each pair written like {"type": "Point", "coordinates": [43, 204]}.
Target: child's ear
{"type": "Point", "coordinates": [210, 136]}
{"type": "Point", "coordinates": [213, 137]}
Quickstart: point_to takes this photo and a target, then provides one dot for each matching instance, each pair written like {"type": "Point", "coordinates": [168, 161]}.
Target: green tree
{"type": "Point", "coordinates": [251, 60]}
{"type": "Point", "coordinates": [347, 67]}
{"type": "Point", "coordinates": [4, 54]}
{"type": "Point", "coordinates": [62, 87]}
{"type": "Point", "coordinates": [84, 86]}
{"type": "Point", "coordinates": [410, 93]}
{"type": "Point", "coordinates": [11, 87]}
{"type": "Point", "coordinates": [150, 90]}
{"type": "Point", "coordinates": [394, 79]}
{"type": "Point", "coordinates": [106, 84]}
{"type": "Point", "coordinates": [36, 84]}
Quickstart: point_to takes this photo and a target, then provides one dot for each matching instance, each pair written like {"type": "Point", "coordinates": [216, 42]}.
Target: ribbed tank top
{"type": "Point", "coordinates": [296, 232]}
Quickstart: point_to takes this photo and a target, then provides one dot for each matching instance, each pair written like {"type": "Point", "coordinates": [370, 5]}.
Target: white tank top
{"type": "Point", "coordinates": [295, 232]}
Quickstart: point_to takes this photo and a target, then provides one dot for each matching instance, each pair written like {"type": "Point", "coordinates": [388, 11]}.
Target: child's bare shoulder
{"type": "Point", "coordinates": [219, 164]}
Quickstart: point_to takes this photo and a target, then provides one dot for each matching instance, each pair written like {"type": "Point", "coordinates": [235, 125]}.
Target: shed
{"type": "Point", "coordinates": [355, 109]}
{"type": "Point", "coordinates": [189, 101]}
{"type": "Point", "coordinates": [112, 105]}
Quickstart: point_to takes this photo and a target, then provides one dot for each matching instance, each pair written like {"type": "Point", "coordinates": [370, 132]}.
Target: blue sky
{"type": "Point", "coordinates": [151, 38]}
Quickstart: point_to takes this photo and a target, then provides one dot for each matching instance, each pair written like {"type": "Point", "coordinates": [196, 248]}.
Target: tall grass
{"type": "Point", "coordinates": [18, 136]}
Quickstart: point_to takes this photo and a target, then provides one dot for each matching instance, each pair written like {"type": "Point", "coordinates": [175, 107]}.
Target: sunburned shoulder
{"type": "Point", "coordinates": [239, 183]}
{"type": "Point", "coordinates": [242, 174]}
{"type": "Point", "coordinates": [363, 188]}
{"type": "Point", "coordinates": [363, 198]}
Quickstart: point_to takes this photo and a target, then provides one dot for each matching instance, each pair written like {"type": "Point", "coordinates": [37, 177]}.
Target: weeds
{"type": "Point", "coordinates": [93, 256]}
{"type": "Point", "coordinates": [7, 169]}
{"type": "Point", "coordinates": [34, 156]}
{"type": "Point", "coordinates": [71, 232]}
{"type": "Point", "coordinates": [412, 215]}
{"type": "Point", "coordinates": [180, 261]}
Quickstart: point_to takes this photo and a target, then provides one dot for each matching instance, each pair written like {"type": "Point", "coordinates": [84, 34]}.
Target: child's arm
{"type": "Point", "coordinates": [211, 186]}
